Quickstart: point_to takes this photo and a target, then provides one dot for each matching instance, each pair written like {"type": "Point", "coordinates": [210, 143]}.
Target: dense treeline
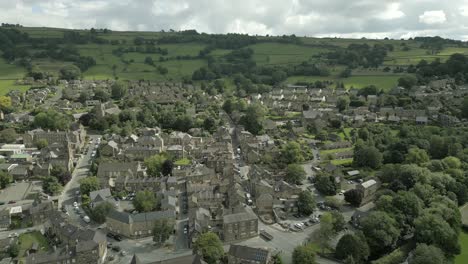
{"type": "Point", "coordinates": [423, 172]}
{"type": "Point", "coordinates": [456, 66]}
{"type": "Point", "coordinates": [356, 55]}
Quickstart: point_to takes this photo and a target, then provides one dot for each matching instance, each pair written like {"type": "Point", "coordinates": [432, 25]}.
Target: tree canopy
{"type": "Point", "coordinates": [304, 255]}
{"type": "Point", "coordinates": [145, 201]}
{"type": "Point", "coordinates": [295, 174]}
{"type": "Point", "coordinates": [210, 247]}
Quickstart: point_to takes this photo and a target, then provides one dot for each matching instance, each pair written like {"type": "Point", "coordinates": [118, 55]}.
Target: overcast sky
{"type": "Point", "coordinates": [342, 18]}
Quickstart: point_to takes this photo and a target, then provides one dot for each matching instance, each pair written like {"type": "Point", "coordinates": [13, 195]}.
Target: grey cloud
{"type": "Point", "coordinates": [301, 17]}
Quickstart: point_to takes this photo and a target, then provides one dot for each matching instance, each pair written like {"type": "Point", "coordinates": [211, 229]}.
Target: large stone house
{"type": "Point", "coordinates": [108, 172]}
{"type": "Point", "coordinates": [137, 225]}
{"type": "Point", "coordinates": [239, 226]}
{"type": "Point", "coordinates": [82, 245]}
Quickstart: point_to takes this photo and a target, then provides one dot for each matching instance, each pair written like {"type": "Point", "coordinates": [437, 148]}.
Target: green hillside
{"type": "Point", "coordinates": [177, 55]}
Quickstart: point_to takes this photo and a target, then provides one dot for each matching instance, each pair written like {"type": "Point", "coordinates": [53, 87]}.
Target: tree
{"type": "Point", "coordinates": [5, 179]}
{"type": "Point", "coordinates": [291, 153]}
{"type": "Point", "coordinates": [368, 157]}
{"type": "Point", "coordinates": [209, 124]}
{"type": "Point", "coordinates": [277, 259]}
{"type": "Point", "coordinates": [427, 254]}
{"type": "Point", "coordinates": [209, 246]}
{"type": "Point", "coordinates": [154, 164]}
{"type": "Point", "coordinates": [61, 173]}
{"type": "Point", "coordinates": [326, 185]}
{"type": "Point", "coordinates": [306, 203]}
{"type": "Point", "coordinates": [253, 119]}
{"type": "Point", "coordinates": [333, 202]}
{"type": "Point", "coordinates": [100, 211]}
{"type": "Point", "coordinates": [381, 232]}
{"type": "Point", "coordinates": [13, 250]}
{"type": "Point", "coordinates": [5, 102]}
{"type": "Point", "coordinates": [407, 81]}
{"type": "Point", "coordinates": [42, 143]}
{"type": "Point", "coordinates": [432, 229]}
{"type": "Point", "coordinates": [89, 184]}
{"type": "Point", "coordinates": [417, 156]}
{"type": "Point", "coordinates": [452, 162]}
{"type": "Point", "coordinates": [70, 72]}
{"type": "Point", "coordinates": [101, 95]}
{"type": "Point", "coordinates": [8, 135]}
{"type": "Point", "coordinates": [464, 108]}
{"type": "Point", "coordinates": [162, 230]}
{"type": "Point", "coordinates": [354, 245]}
{"type": "Point", "coordinates": [149, 60]}
{"type": "Point", "coordinates": [326, 231]}
{"type": "Point", "coordinates": [295, 174]}
{"type": "Point", "coordinates": [342, 103]}
{"type": "Point", "coordinates": [354, 197]}
{"type": "Point", "coordinates": [145, 201]}
{"type": "Point", "coordinates": [167, 167]}
{"type": "Point", "coordinates": [118, 91]}
{"type": "Point", "coordinates": [51, 186]}
{"type": "Point", "coordinates": [303, 255]}
{"type": "Point", "coordinates": [51, 119]}
{"type": "Point", "coordinates": [338, 221]}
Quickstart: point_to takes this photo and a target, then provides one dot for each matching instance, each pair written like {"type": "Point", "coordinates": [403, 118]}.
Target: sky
{"type": "Point", "coordinates": [324, 18]}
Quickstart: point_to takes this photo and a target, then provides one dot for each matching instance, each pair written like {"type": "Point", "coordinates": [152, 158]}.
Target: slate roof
{"type": "Point", "coordinates": [141, 217]}
{"type": "Point", "coordinates": [239, 217]}
{"type": "Point", "coordinates": [258, 255]}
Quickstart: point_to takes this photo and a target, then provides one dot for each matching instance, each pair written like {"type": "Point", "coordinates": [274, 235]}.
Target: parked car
{"type": "Point", "coordinates": [117, 237]}
{"type": "Point", "coordinates": [116, 248]}
{"type": "Point", "coordinates": [75, 204]}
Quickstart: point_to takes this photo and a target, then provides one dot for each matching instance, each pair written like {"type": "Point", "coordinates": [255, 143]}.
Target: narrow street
{"type": "Point", "coordinates": [69, 196]}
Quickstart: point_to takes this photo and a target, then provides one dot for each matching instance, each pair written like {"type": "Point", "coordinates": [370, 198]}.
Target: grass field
{"type": "Point", "coordinates": [109, 66]}
{"type": "Point", "coordinates": [10, 71]}
{"type": "Point", "coordinates": [8, 85]}
{"type": "Point", "coordinates": [278, 54]}
{"type": "Point", "coordinates": [463, 257]}
{"type": "Point", "coordinates": [385, 82]}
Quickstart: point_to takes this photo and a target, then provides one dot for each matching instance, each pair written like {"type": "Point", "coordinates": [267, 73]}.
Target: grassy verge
{"type": "Point", "coordinates": [463, 240]}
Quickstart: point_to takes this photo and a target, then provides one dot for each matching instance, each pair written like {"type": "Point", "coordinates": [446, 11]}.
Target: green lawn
{"type": "Point", "coordinates": [385, 82]}
{"type": "Point", "coordinates": [10, 71]}
{"type": "Point", "coordinates": [8, 85]}
{"type": "Point", "coordinates": [345, 133]}
{"type": "Point", "coordinates": [463, 257]}
{"type": "Point", "coordinates": [333, 151]}
{"type": "Point", "coordinates": [27, 239]}
{"type": "Point", "coordinates": [182, 162]}
{"type": "Point", "coordinates": [342, 162]}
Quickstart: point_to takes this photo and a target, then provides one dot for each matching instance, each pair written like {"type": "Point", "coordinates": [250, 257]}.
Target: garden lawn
{"type": "Point", "coordinates": [342, 161]}
{"type": "Point", "coordinates": [333, 151]}
{"type": "Point", "coordinates": [182, 162]}
{"type": "Point", "coordinates": [26, 240]}
{"type": "Point", "coordinates": [463, 257]}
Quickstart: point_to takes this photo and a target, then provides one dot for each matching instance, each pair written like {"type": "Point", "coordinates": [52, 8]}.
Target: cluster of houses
{"type": "Point", "coordinates": [321, 104]}
{"type": "Point", "coordinates": [203, 188]}
{"type": "Point", "coordinates": [24, 160]}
